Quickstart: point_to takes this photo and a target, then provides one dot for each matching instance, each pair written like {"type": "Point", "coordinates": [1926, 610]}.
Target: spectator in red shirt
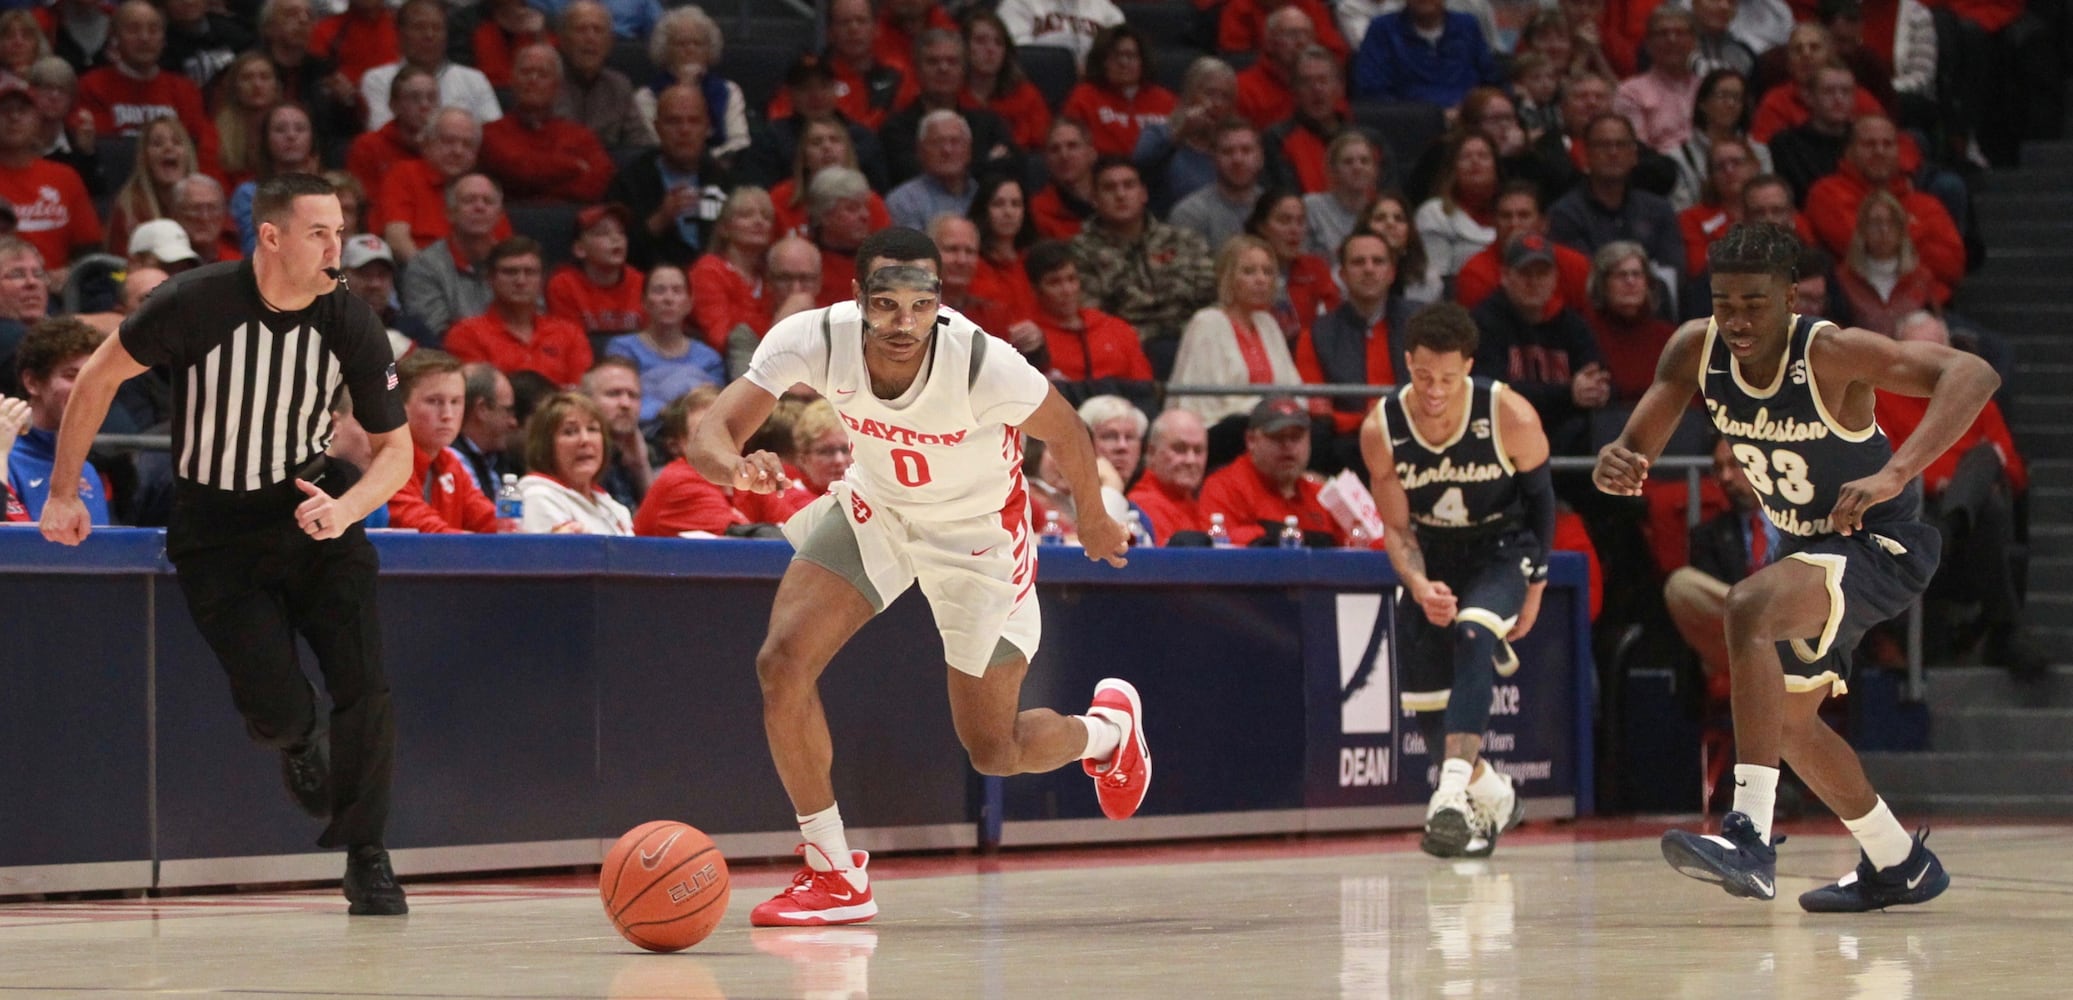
{"type": "Point", "coordinates": [1872, 162]}
{"type": "Point", "coordinates": [867, 86]}
{"type": "Point", "coordinates": [1882, 278]}
{"type": "Point", "coordinates": [440, 497]}
{"type": "Point", "coordinates": [1305, 289]}
{"type": "Point", "coordinates": [358, 39]}
{"type": "Point", "coordinates": [1519, 210]}
{"type": "Point", "coordinates": [727, 295]}
{"type": "Point", "coordinates": [1006, 232]}
{"type": "Point", "coordinates": [1248, 26]}
{"type": "Point", "coordinates": [514, 335]}
{"type": "Point", "coordinates": [1118, 428]}
{"type": "Point", "coordinates": [839, 213]}
{"type": "Point", "coordinates": [1625, 319]}
{"type": "Point", "coordinates": [533, 151]}
{"type": "Point", "coordinates": [823, 143]}
{"type": "Point", "coordinates": [901, 24]}
{"type": "Point", "coordinates": [995, 79]}
{"type": "Point", "coordinates": [1730, 164]}
{"type": "Point", "coordinates": [957, 239]}
{"type": "Point", "coordinates": [1266, 484]}
{"type": "Point", "coordinates": [506, 27]}
{"type": "Point", "coordinates": [201, 209]}
{"type": "Point", "coordinates": [52, 209]}
{"type": "Point", "coordinates": [1175, 452]}
{"type": "Point", "coordinates": [1969, 494]}
{"type": "Point", "coordinates": [1266, 96]}
{"type": "Point", "coordinates": [682, 501]}
{"type": "Point", "coordinates": [1351, 345]}
{"type": "Point", "coordinates": [413, 96]}
{"type": "Point", "coordinates": [1295, 147]}
{"type": "Point", "coordinates": [1085, 344]}
{"type": "Point", "coordinates": [599, 292]}
{"type": "Point", "coordinates": [411, 212]}
{"type": "Point", "coordinates": [1768, 198]}
{"type": "Point", "coordinates": [1066, 201]}
{"type": "Point", "coordinates": [1116, 98]}
{"type": "Point", "coordinates": [448, 280]}
{"type": "Point", "coordinates": [1809, 51]}
{"type": "Point", "coordinates": [127, 95]}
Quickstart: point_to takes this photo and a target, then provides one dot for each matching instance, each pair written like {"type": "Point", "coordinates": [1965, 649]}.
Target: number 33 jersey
{"type": "Point", "coordinates": [1794, 452]}
{"type": "Point", "coordinates": [948, 447]}
{"type": "Point", "coordinates": [1462, 487]}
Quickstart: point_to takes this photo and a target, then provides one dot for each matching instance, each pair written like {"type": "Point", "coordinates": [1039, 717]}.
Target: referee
{"type": "Point", "coordinates": [265, 530]}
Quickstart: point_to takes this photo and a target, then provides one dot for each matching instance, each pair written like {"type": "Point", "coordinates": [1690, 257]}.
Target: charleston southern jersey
{"type": "Point", "coordinates": [252, 387]}
{"type": "Point", "coordinates": [947, 448]}
{"type": "Point", "coordinates": [1463, 487]}
{"type": "Point", "coordinates": [1794, 452]}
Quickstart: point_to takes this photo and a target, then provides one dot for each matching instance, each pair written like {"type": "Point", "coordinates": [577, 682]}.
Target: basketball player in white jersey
{"type": "Point", "coordinates": [936, 410]}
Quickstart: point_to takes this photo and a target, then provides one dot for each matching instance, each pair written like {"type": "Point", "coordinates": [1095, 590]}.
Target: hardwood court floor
{"type": "Point", "coordinates": [1582, 910]}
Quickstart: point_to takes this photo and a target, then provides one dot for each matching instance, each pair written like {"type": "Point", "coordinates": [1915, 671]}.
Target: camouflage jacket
{"type": "Point", "coordinates": [1154, 284]}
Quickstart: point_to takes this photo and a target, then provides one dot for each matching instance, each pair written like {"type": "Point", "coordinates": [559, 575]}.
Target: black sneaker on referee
{"type": "Point", "coordinates": [370, 884]}
{"type": "Point", "coordinates": [307, 771]}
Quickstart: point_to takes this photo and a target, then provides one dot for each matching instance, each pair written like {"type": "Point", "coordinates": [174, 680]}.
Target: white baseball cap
{"type": "Point", "coordinates": [163, 239]}
{"type": "Point", "coordinates": [363, 249]}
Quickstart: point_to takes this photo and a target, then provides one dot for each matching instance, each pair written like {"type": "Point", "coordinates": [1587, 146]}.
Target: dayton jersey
{"type": "Point", "coordinates": [947, 448]}
{"type": "Point", "coordinates": [1795, 453]}
{"type": "Point", "coordinates": [1461, 487]}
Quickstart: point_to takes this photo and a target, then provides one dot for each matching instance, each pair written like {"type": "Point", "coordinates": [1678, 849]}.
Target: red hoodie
{"type": "Point", "coordinates": [1832, 206]}
{"type": "Point", "coordinates": [440, 497]}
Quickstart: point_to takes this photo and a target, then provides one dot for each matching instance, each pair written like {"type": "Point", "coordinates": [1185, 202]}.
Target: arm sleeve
{"type": "Point", "coordinates": [1537, 495]}
{"type": "Point", "coordinates": [793, 352]}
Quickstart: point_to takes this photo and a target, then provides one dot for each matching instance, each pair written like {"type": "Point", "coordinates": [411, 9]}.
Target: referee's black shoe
{"type": "Point", "coordinates": [307, 771]}
{"type": "Point", "coordinates": [370, 884]}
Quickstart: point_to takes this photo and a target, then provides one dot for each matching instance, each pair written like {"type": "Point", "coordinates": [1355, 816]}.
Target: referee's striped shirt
{"type": "Point", "coordinates": [252, 387]}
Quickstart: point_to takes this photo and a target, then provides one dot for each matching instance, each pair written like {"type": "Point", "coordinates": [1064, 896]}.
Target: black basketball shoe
{"type": "Point", "coordinates": [1737, 860]}
{"type": "Point", "coordinates": [370, 884]}
{"type": "Point", "coordinates": [1919, 879]}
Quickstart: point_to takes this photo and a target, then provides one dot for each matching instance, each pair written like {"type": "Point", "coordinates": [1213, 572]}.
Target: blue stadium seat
{"type": "Point", "coordinates": [551, 223]}
{"type": "Point", "coordinates": [1406, 126]}
{"type": "Point", "coordinates": [1170, 64]}
{"type": "Point", "coordinates": [630, 56]}
{"type": "Point", "coordinates": [1171, 22]}
{"type": "Point", "coordinates": [1052, 69]}
{"type": "Point", "coordinates": [759, 69]}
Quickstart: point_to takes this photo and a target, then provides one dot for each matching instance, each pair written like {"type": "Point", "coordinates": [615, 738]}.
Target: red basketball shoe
{"type": "Point", "coordinates": [1121, 781]}
{"type": "Point", "coordinates": [818, 895]}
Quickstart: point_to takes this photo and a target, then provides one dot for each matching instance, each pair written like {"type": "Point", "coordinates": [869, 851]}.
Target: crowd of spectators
{"type": "Point", "coordinates": [576, 223]}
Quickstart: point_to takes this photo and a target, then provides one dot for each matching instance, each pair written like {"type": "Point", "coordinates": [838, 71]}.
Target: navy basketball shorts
{"type": "Point", "coordinates": [1489, 583]}
{"type": "Point", "coordinates": [1871, 577]}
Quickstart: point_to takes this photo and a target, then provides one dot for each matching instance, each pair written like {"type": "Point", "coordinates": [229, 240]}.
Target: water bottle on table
{"type": "Point", "coordinates": [510, 507]}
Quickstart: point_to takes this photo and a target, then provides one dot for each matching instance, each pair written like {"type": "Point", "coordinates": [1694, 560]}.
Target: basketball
{"type": "Point", "coordinates": [664, 885]}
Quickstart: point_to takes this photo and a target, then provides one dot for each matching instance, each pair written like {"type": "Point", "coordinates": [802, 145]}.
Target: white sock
{"type": "Point", "coordinates": [1487, 785]}
{"type": "Point", "coordinates": [1756, 792]}
{"type": "Point", "coordinates": [1884, 840]}
{"type": "Point", "coordinates": [1454, 774]}
{"type": "Point", "coordinates": [824, 831]}
{"type": "Point", "coordinates": [1104, 735]}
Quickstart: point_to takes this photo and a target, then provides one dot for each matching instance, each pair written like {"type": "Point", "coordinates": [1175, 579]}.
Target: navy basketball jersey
{"type": "Point", "coordinates": [1463, 485]}
{"type": "Point", "coordinates": [1795, 453]}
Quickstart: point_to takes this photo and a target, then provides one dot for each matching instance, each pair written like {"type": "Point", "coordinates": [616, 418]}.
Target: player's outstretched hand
{"type": "Point", "coordinates": [318, 515]}
{"type": "Point", "coordinates": [1439, 603]}
{"type": "Point", "coordinates": [65, 520]}
{"type": "Point", "coordinates": [760, 472]}
{"type": "Point", "coordinates": [1103, 538]}
{"type": "Point", "coordinates": [1620, 471]}
{"type": "Point", "coordinates": [1860, 495]}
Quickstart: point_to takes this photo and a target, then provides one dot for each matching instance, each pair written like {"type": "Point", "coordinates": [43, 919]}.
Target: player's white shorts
{"type": "Point", "coordinates": [978, 573]}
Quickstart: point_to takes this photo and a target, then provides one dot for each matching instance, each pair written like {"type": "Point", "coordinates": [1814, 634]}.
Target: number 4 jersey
{"type": "Point", "coordinates": [1795, 453]}
{"type": "Point", "coordinates": [947, 448]}
{"type": "Point", "coordinates": [1464, 487]}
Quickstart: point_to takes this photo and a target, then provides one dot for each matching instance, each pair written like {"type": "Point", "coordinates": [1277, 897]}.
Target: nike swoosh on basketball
{"type": "Point", "coordinates": [1919, 876]}
{"type": "Point", "coordinates": [649, 859]}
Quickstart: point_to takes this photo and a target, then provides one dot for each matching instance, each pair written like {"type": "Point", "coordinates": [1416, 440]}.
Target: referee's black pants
{"type": "Point", "coordinates": [254, 581]}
